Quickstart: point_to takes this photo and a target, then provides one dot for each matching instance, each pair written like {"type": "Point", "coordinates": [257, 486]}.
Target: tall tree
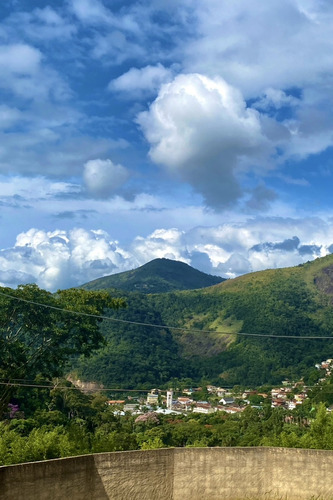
{"type": "Point", "coordinates": [39, 331]}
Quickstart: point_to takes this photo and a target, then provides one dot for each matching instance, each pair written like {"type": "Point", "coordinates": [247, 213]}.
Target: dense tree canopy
{"type": "Point", "coordinates": [203, 345]}
{"type": "Point", "coordinates": [39, 333]}
{"type": "Point", "coordinates": [76, 424]}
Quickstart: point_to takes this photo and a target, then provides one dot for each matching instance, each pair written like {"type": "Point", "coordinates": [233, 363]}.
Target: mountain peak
{"type": "Point", "coordinates": [157, 276]}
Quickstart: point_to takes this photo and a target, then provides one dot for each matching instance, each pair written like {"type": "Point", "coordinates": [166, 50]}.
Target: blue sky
{"type": "Point", "coordinates": [197, 131]}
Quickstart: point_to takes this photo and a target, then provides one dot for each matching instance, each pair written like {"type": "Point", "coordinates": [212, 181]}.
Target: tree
{"type": "Point", "coordinates": [320, 434]}
{"type": "Point", "coordinates": [40, 331]}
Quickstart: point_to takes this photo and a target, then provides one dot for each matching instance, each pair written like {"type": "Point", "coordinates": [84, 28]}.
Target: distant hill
{"type": "Point", "coordinates": [157, 276]}
{"type": "Point", "coordinates": [279, 304]}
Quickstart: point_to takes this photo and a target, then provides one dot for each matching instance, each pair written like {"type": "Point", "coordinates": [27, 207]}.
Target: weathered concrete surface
{"type": "Point", "coordinates": [252, 473]}
{"type": "Point", "coordinates": [176, 474]}
{"type": "Point", "coordinates": [117, 476]}
{"type": "Point", "coordinates": [71, 478]}
{"type": "Point", "coordinates": [144, 475]}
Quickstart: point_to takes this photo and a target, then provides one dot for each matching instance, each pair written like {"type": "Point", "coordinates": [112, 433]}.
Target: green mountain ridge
{"type": "Point", "coordinates": [157, 276]}
{"type": "Point", "coordinates": [205, 344]}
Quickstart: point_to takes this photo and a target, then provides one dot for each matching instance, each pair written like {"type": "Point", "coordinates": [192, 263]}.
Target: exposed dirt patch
{"type": "Point", "coordinates": [324, 281]}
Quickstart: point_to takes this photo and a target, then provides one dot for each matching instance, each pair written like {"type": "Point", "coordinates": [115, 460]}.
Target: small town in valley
{"type": "Point", "coordinates": [291, 395]}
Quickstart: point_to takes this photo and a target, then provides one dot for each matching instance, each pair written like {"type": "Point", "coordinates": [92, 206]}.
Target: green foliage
{"type": "Point", "coordinates": [36, 342]}
{"type": "Point", "coordinates": [152, 444]}
{"type": "Point", "coordinates": [276, 302]}
{"type": "Point", "coordinates": [113, 441]}
{"type": "Point", "coordinates": [59, 433]}
{"type": "Point", "coordinates": [135, 356]}
{"type": "Point", "coordinates": [203, 345]}
{"type": "Point", "coordinates": [40, 444]}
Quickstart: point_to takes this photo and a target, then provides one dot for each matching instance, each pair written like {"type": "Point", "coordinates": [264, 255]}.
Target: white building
{"type": "Point", "coordinates": [169, 399]}
{"type": "Point", "coordinates": [201, 409]}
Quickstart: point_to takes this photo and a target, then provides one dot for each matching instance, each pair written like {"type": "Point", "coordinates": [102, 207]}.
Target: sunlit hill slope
{"type": "Point", "coordinates": [274, 308]}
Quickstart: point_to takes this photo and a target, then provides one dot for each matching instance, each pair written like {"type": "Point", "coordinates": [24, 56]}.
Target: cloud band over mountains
{"type": "Point", "coordinates": [61, 259]}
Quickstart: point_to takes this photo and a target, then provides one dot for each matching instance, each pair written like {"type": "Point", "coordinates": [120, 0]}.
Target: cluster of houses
{"type": "Point", "coordinates": [289, 396]}
{"type": "Point", "coordinates": [284, 397]}
{"type": "Point", "coordinates": [228, 403]}
{"type": "Point", "coordinates": [170, 405]}
{"type": "Point", "coordinates": [292, 395]}
{"type": "Point", "coordinates": [218, 400]}
{"type": "Point", "coordinates": [327, 367]}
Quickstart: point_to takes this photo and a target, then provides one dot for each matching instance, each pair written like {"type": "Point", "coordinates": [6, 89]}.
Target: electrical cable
{"type": "Point", "coordinates": [54, 386]}
{"type": "Point", "coordinates": [178, 328]}
{"type": "Point", "coordinates": [100, 389]}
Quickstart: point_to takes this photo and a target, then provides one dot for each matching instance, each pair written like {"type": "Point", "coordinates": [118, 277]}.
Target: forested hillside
{"type": "Point", "coordinates": [291, 302]}
{"type": "Point", "coordinates": [136, 356]}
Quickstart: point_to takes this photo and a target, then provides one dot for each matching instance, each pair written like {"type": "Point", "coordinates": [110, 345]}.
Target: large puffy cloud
{"type": "Point", "coordinates": [271, 51]}
{"type": "Point", "coordinates": [232, 249]}
{"type": "Point", "coordinates": [103, 178]}
{"type": "Point", "coordinates": [162, 243]}
{"type": "Point", "coordinates": [278, 53]}
{"type": "Point", "coordinates": [202, 130]}
{"type": "Point", "coordinates": [60, 259]}
{"type": "Point", "coordinates": [57, 259]}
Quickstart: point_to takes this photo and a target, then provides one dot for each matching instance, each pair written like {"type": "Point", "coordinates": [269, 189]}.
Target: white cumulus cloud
{"type": "Point", "coordinates": [61, 259]}
{"type": "Point", "coordinates": [201, 130]}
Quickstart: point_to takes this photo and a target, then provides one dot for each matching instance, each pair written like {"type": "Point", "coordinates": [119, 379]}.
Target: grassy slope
{"type": "Point", "coordinates": [280, 302]}
{"type": "Point", "coordinates": [292, 301]}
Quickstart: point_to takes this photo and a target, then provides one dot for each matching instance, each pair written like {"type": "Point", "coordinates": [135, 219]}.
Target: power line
{"type": "Point", "coordinates": [55, 386]}
{"type": "Point", "coordinates": [103, 389]}
{"type": "Point", "coordinates": [169, 327]}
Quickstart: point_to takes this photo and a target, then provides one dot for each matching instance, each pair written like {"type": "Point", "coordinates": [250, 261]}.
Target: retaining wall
{"type": "Point", "coordinates": [176, 474]}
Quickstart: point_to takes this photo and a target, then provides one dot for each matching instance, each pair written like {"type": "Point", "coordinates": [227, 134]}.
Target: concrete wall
{"type": "Point", "coordinates": [253, 473]}
{"type": "Point", "coordinates": [176, 474]}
